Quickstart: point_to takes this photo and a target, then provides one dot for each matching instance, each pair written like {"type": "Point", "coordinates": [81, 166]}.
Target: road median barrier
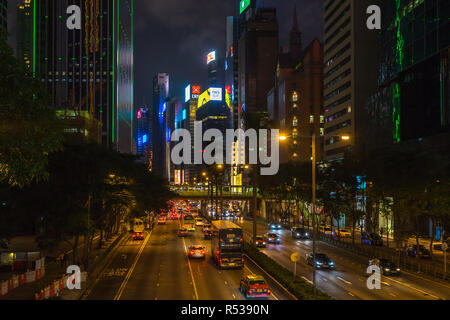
{"type": "Point", "coordinates": [298, 287]}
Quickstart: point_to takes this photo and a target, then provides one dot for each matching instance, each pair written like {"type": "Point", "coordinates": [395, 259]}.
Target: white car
{"type": "Point", "coordinates": [198, 222]}
{"type": "Point", "coordinates": [197, 251]}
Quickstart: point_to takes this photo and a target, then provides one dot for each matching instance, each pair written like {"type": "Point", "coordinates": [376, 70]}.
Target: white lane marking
{"type": "Point", "coordinates": [342, 279]}
{"type": "Point", "coordinates": [130, 271]}
{"type": "Point", "coordinates": [393, 295]}
{"type": "Point", "coordinates": [414, 288]}
{"type": "Point", "coordinates": [234, 297]}
{"type": "Point", "coordinates": [385, 283]}
{"type": "Point", "coordinates": [226, 283]}
{"type": "Point", "coordinates": [190, 270]}
{"type": "Point", "coordinates": [324, 279]}
{"type": "Point", "coordinates": [307, 280]}
{"type": "Point", "coordinates": [351, 294]}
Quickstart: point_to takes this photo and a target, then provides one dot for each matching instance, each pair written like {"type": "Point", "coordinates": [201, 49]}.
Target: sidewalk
{"type": "Point", "coordinates": [53, 269]}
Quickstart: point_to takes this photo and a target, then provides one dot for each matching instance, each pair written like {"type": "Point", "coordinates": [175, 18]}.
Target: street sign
{"type": "Point", "coordinates": [295, 257]}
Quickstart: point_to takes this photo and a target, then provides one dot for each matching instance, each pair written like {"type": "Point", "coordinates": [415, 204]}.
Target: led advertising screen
{"type": "Point", "coordinates": [216, 94]}
{"type": "Point", "coordinates": [211, 57]}
{"type": "Point", "coordinates": [187, 95]}
{"type": "Point", "coordinates": [204, 98]}
{"type": "Point", "coordinates": [244, 5]}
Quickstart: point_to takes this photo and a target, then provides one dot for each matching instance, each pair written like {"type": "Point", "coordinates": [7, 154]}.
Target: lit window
{"type": "Point", "coordinates": [295, 134]}
{"type": "Point", "coordinates": [295, 155]}
{"type": "Point", "coordinates": [322, 131]}
{"type": "Point", "coordinates": [311, 119]}
{"type": "Point", "coordinates": [294, 105]}
{"type": "Point", "coordinates": [322, 119]}
{"type": "Point", "coordinates": [294, 96]}
{"type": "Point", "coordinates": [295, 123]}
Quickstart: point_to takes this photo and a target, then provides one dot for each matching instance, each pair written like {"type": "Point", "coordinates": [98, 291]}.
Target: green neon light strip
{"type": "Point", "coordinates": [34, 38]}
{"type": "Point", "coordinates": [118, 73]}
{"type": "Point", "coordinates": [396, 105]}
{"type": "Point", "coordinates": [113, 101]}
{"type": "Point", "coordinates": [132, 71]}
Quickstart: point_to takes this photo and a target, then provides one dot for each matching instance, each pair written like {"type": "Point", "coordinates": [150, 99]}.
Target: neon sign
{"type": "Point", "coordinates": [195, 89]}
{"type": "Point", "coordinates": [211, 57]}
{"type": "Point", "coordinates": [243, 5]}
{"type": "Point", "coordinates": [187, 93]}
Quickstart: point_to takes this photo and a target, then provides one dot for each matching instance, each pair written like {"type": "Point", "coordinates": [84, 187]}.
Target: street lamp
{"type": "Point", "coordinates": [284, 138]}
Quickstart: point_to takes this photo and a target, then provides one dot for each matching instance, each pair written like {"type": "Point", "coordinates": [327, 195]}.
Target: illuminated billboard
{"type": "Point", "coordinates": [244, 5]}
{"type": "Point", "coordinates": [187, 95]}
{"type": "Point", "coordinates": [204, 98]}
{"type": "Point", "coordinates": [195, 89]}
{"type": "Point", "coordinates": [215, 94]}
{"type": "Point", "coordinates": [211, 57]}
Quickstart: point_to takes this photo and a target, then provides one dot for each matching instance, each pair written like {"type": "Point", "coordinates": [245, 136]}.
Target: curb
{"type": "Point", "coordinates": [104, 260]}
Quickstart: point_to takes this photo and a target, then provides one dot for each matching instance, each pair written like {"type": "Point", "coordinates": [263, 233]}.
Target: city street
{"type": "Point", "coordinates": [348, 280]}
{"type": "Point", "coordinates": [158, 268]}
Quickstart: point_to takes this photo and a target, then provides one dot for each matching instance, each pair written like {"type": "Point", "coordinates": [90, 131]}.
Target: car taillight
{"type": "Point", "coordinates": [240, 240]}
{"type": "Point", "coordinates": [268, 291]}
{"type": "Point", "coordinates": [242, 260]}
{"type": "Point", "coordinates": [203, 251]}
{"type": "Point", "coordinates": [192, 252]}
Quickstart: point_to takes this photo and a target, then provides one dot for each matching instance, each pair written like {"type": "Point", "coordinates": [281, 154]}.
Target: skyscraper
{"type": "Point", "coordinates": [414, 77]}
{"type": "Point", "coordinates": [349, 74]}
{"type": "Point", "coordinates": [296, 101]}
{"type": "Point", "coordinates": [158, 130]}
{"type": "Point", "coordinates": [4, 14]}
{"type": "Point", "coordinates": [84, 70]}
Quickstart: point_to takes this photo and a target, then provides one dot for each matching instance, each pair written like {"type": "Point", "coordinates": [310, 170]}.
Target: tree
{"type": "Point", "coordinates": [24, 115]}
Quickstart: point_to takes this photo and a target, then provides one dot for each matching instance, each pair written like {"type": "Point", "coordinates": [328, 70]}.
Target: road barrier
{"type": "Point", "coordinates": [399, 257]}
{"type": "Point", "coordinates": [27, 277]}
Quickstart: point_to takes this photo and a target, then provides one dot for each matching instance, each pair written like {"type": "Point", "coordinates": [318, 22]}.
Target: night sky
{"type": "Point", "coordinates": [174, 36]}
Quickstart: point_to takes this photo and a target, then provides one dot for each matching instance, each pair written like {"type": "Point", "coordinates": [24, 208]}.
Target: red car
{"type": "Point", "coordinates": [253, 286]}
{"type": "Point", "coordinates": [138, 236]}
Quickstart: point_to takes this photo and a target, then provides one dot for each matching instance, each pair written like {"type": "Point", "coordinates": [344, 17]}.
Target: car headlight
{"type": "Point", "coordinates": [298, 234]}
{"type": "Point", "coordinates": [307, 234]}
{"type": "Point", "coordinates": [278, 239]}
{"type": "Point", "coordinates": [398, 269]}
{"type": "Point", "coordinates": [331, 263]}
{"type": "Point", "coordinates": [318, 263]}
{"type": "Point", "coordinates": [387, 269]}
{"type": "Point", "coordinates": [264, 243]}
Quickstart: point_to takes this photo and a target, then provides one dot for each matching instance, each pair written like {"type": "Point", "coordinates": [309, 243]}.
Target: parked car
{"type": "Point", "coordinates": [328, 231]}
{"type": "Point", "coordinates": [300, 233]}
{"type": "Point", "coordinates": [387, 267]}
{"type": "Point", "coordinates": [344, 233]}
{"type": "Point", "coordinates": [321, 261]}
{"type": "Point", "coordinates": [418, 251]}
{"type": "Point", "coordinates": [372, 239]}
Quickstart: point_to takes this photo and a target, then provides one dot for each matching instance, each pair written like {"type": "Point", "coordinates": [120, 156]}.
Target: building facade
{"type": "Point", "coordinates": [158, 130]}
{"type": "Point", "coordinates": [86, 70]}
{"type": "Point", "coordinates": [350, 55]}
{"type": "Point", "coordinates": [4, 14]}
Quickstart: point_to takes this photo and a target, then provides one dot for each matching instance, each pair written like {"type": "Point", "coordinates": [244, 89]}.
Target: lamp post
{"type": "Point", "coordinates": [313, 166]}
